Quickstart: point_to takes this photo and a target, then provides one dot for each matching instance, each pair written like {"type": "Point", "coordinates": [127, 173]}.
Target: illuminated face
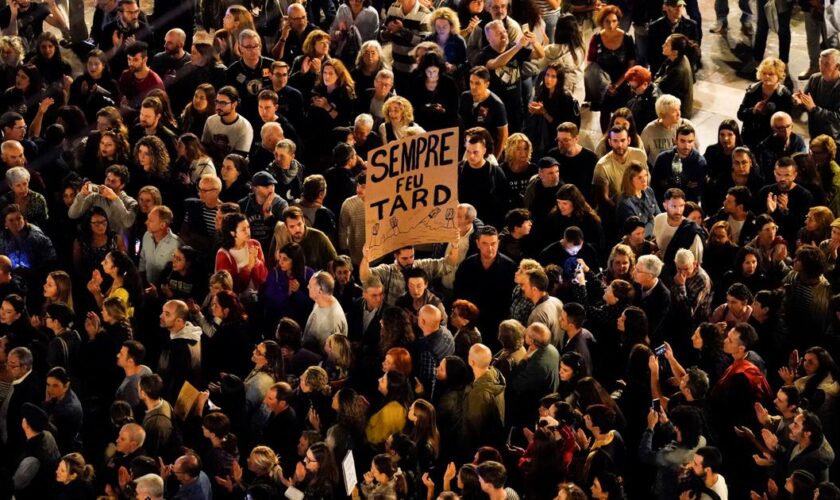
{"type": "Point", "coordinates": [95, 67]}
{"type": "Point", "coordinates": [229, 172]}
{"type": "Point", "coordinates": [566, 142]}
{"type": "Point", "coordinates": [619, 142]}
{"type": "Point", "coordinates": [640, 181]}
{"type": "Point", "coordinates": [488, 246]}
{"type": "Point", "coordinates": [55, 389]}
{"type": "Point", "coordinates": [750, 265]}
{"type": "Point", "coordinates": [784, 177]}
{"type": "Point", "coordinates": [22, 81]}
{"type": "Point", "coordinates": [296, 228]}
{"type": "Point", "coordinates": [145, 202]}
{"type": "Point", "coordinates": [475, 153]}
{"type": "Point", "coordinates": [243, 232]}
{"type": "Point", "coordinates": [685, 143]}
{"type": "Point", "coordinates": [107, 147]}
{"type": "Point", "coordinates": [610, 22]}
{"type": "Point", "coordinates": [566, 372]}
{"type": "Point", "coordinates": [727, 139]}
{"type": "Point", "coordinates": [267, 110]}
{"type": "Point", "coordinates": [284, 262]}
{"type": "Point", "coordinates": [50, 288]}
{"type": "Point", "coordinates": [416, 287]}
{"type": "Point", "coordinates": [328, 76]}
{"type": "Point", "coordinates": [621, 264]}
{"type": "Point", "coordinates": [199, 101]}
{"type": "Point", "coordinates": [342, 275]}
{"type": "Point", "coordinates": [137, 62]}
{"type": "Point", "coordinates": [675, 207]}
{"type": "Point", "coordinates": [442, 27]}
{"type": "Point", "coordinates": [148, 118]}
{"type": "Point", "coordinates": [565, 207]}
{"type": "Point", "coordinates": [550, 78]}
{"type": "Point", "coordinates": [145, 158]}
{"type": "Point", "coordinates": [478, 87]}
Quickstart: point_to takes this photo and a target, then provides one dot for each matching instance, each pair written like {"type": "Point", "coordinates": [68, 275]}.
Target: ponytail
{"type": "Point", "coordinates": [276, 473]}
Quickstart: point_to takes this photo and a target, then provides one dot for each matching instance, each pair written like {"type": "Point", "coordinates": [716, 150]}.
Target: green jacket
{"type": "Point", "coordinates": [484, 410]}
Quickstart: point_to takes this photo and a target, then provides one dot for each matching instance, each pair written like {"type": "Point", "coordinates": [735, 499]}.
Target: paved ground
{"type": "Point", "coordinates": [718, 91]}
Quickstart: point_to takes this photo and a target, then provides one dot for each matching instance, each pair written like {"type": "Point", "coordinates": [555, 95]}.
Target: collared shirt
{"type": "Point", "coordinates": [367, 316]}
{"type": "Point", "coordinates": [155, 255]}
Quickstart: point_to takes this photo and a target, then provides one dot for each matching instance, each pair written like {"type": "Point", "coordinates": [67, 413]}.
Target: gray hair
{"type": "Point", "coordinates": [248, 33]}
{"type": "Point", "coordinates": [780, 115]}
{"type": "Point", "coordinates": [152, 484]}
{"type": "Point", "coordinates": [17, 174]}
{"type": "Point", "coordinates": [364, 119]}
{"type": "Point", "coordinates": [684, 257]}
{"type": "Point", "coordinates": [23, 355]}
{"type": "Point", "coordinates": [472, 213]}
{"type": "Point", "coordinates": [491, 24]}
{"type": "Point", "coordinates": [287, 145]}
{"type": "Point", "coordinates": [136, 433]}
{"type": "Point", "coordinates": [666, 103]}
{"type": "Point", "coordinates": [831, 53]}
{"type": "Point", "coordinates": [384, 73]}
{"type": "Point", "coordinates": [11, 143]}
{"type": "Point", "coordinates": [650, 264]}
{"type": "Point", "coordinates": [270, 126]}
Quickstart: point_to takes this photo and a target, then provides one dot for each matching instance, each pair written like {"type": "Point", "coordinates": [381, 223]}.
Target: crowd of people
{"type": "Point", "coordinates": [188, 308]}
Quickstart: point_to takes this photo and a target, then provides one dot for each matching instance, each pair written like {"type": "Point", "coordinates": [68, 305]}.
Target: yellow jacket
{"type": "Point", "coordinates": [388, 420]}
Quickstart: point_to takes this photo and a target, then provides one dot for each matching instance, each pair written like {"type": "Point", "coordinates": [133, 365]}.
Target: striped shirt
{"type": "Point", "coordinates": [415, 29]}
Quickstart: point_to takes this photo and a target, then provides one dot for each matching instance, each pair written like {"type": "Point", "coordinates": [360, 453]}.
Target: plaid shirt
{"type": "Point", "coordinates": [694, 299]}
{"type": "Point", "coordinates": [520, 306]}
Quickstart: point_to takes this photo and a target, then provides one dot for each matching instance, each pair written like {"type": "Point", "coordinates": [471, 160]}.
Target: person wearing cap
{"type": "Point", "coordinates": [672, 22]}
{"type": "Point", "coordinates": [263, 208]}
{"type": "Point", "coordinates": [35, 473]}
{"type": "Point", "coordinates": [340, 177]}
{"type": "Point", "coordinates": [541, 193]}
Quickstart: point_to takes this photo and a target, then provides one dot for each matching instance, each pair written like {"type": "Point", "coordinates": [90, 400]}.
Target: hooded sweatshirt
{"type": "Point", "coordinates": [180, 360]}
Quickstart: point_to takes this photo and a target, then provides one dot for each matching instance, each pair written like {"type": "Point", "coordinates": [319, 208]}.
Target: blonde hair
{"type": "Point", "coordinates": [266, 463]}
{"type": "Point", "coordinates": [513, 142]}
{"type": "Point", "coordinates": [154, 192]}
{"type": "Point", "coordinates": [407, 110]}
{"type": "Point", "coordinates": [222, 278]}
{"type": "Point", "coordinates": [341, 352]}
{"type": "Point", "coordinates": [621, 249]}
{"type": "Point", "coordinates": [14, 43]}
{"type": "Point", "coordinates": [773, 64]}
{"type": "Point", "coordinates": [317, 379]}
{"type": "Point", "coordinates": [823, 216]}
{"type": "Point", "coordinates": [448, 14]}
{"type": "Point", "coordinates": [529, 264]}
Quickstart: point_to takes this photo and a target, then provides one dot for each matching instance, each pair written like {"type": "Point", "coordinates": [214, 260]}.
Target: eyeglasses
{"type": "Point", "coordinates": [99, 222]}
{"type": "Point", "coordinates": [223, 103]}
{"type": "Point", "coordinates": [308, 460]}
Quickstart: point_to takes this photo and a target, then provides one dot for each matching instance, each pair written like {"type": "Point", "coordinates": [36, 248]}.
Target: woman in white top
{"type": "Point", "coordinates": [569, 51]}
{"type": "Point", "coordinates": [399, 116]}
{"type": "Point", "coordinates": [358, 14]}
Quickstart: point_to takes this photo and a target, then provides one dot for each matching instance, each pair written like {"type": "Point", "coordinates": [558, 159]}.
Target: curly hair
{"type": "Point", "coordinates": [121, 143]}
{"type": "Point", "coordinates": [160, 156]}
{"type": "Point", "coordinates": [447, 14]}
{"type": "Point", "coordinates": [513, 142]}
{"type": "Point", "coordinates": [407, 110]}
{"type": "Point", "coordinates": [396, 328]}
{"type": "Point", "coordinates": [315, 36]}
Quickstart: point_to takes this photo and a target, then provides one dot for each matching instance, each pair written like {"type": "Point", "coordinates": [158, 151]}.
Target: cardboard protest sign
{"type": "Point", "coordinates": [412, 192]}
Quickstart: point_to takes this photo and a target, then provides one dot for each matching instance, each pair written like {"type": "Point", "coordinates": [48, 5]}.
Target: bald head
{"type": "Point", "coordinates": [429, 319]}
{"type": "Point", "coordinates": [296, 10]}
{"type": "Point", "coordinates": [539, 333]}
{"type": "Point", "coordinates": [480, 357]}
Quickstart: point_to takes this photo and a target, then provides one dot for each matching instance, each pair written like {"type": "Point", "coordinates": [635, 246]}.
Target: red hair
{"type": "Point", "coordinates": [402, 360]}
{"type": "Point", "coordinates": [638, 74]}
{"type": "Point", "coordinates": [607, 10]}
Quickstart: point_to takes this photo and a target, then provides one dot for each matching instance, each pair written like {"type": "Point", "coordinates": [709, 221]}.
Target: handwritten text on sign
{"type": "Point", "coordinates": [411, 193]}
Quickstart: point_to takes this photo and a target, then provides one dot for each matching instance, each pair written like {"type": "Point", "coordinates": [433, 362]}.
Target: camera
{"type": "Point", "coordinates": [660, 351]}
{"type": "Point", "coordinates": [93, 188]}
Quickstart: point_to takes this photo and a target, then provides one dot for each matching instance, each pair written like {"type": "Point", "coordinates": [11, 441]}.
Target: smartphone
{"type": "Point", "coordinates": [656, 405]}
{"type": "Point", "coordinates": [660, 351]}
